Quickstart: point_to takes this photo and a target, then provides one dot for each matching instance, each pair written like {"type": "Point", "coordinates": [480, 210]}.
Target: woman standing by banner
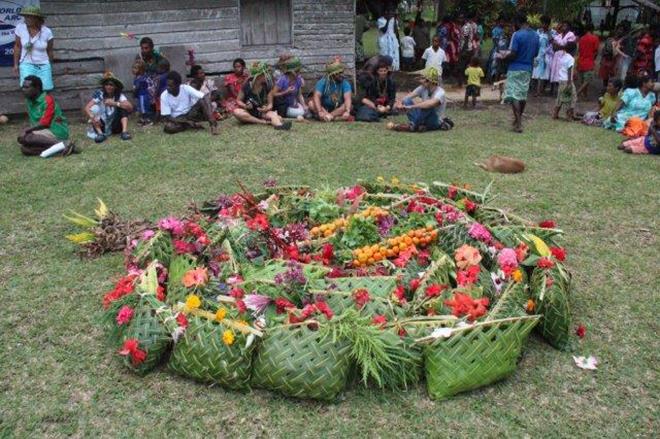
{"type": "Point", "coordinates": [33, 49]}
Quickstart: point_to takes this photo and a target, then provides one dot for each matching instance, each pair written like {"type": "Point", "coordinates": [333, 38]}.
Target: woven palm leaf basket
{"type": "Point", "coordinates": [550, 291]}
{"type": "Point", "coordinates": [203, 355]}
{"type": "Point", "coordinates": [302, 363]}
{"type": "Point", "coordinates": [475, 356]}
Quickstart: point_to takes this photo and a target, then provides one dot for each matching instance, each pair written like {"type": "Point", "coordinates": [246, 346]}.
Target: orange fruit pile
{"type": "Point", "coordinates": [329, 229]}
{"type": "Point", "coordinates": [370, 254]}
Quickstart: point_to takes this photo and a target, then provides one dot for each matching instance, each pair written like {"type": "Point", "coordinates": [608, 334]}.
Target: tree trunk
{"type": "Point", "coordinates": [441, 9]}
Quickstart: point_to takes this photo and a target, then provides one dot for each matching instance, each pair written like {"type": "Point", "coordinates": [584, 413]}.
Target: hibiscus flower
{"type": "Point", "coordinates": [464, 305]}
{"type": "Point", "coordinates": [467, 256]}
{"type": "Point", "coordinates": [131, 348]}
{"type": "Point", "coordinates": [195, 278]}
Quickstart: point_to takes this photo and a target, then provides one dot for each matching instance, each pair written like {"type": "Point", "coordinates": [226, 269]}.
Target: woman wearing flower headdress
{"type": "Point", "coordinates": [332, 98]}
{"type": "Point", "coordinates": [33, 47]}
{"type": "Point", "coordinates": [255, 100]}
{"type": "Point", "coordinates": [289, 100]}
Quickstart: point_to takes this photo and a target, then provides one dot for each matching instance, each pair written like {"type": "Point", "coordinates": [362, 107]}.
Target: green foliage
{"type": "Point", "coordinates": [359, 232]}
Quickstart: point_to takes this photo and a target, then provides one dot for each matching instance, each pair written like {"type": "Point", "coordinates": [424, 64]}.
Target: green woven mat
{"type": "Point", "coordinates": [202, 355]}
{"type": "Point", "coordinates": [338, 293]}
{"type": "Point", "coordinates": [476, 356]}
{"type": "Point", "coordinates": [552, 303]}
{"type": "Point", "coordinates": [158, 248]}
{"type": "Point", "coordinates": [151, 335]}
{"type": "Point", "coordinates": [300, 363]}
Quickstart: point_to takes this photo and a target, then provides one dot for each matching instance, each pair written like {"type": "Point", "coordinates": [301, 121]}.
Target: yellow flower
{"type": "Point", "coordinates": [220, 314]}
{"type": "Point", "coordinates": [228, 337]}
{"type": "Point", "coordinates": [395, 181]}
{"type": "Point", "coordinates": [517, 276]}
{"type": "Point", "coordinates": [380, 179]}
{"type": "Point", "coordinates": [193, 302]}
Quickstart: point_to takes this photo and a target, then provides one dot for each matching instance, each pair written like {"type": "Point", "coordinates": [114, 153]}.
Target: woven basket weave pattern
{"type": "Point", "coordinates": [299, 362]}
{"type": "Point", "coordinates": [151, 336]}
{"type": "Point", "coordinates": [201, 355]}
{"type": "Point", "coordinates": [475, 357]}
{"type": "Point", "coordinates": [553, 304]}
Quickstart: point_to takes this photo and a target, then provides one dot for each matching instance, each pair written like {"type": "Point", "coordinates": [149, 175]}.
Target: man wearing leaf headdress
{"type": "Point", "coordinates": [332, 95]}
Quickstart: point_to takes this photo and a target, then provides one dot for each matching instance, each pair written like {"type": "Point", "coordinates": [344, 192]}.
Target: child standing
{"type": "Point", "coordinates": [474, 74]}
{"type": "Point", "coordinates": [649, 144]}
{"type": "Point", "coordinates": [141, 90]}
{"type": "Point", "coordinates": [606, 104]}
{"type": "Point", "coordinates": [567, 94]}
{"type": "Point", "coordinates": [407, 50]}
{"type": "Point", "coordinates": [434, 55]}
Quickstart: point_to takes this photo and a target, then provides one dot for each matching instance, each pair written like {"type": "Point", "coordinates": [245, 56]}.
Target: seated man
{"type": "Point", "coordinates": [182, 107]}
{"type": "Point", "coordinates": [379, 97]}
{"type": "Point", "coordinates": [428, 113]}
{"type": "Point", "coordinates": [332, 95]}
{"type": "Point", "coordinates": [255, 100]}
{"type": "Point", "coordinates": [108, 110]}
{"type": "Point", "coordinates": [48, 128]}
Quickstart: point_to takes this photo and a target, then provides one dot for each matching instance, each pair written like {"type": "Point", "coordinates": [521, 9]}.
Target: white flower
{"type": "Point", "coordinates": [498, 281]}
{"type": "Point", "coordinates": [441, 332]}
{"type": "Point", "coordinates": [263, 205]}
{"type": "Point", "coordinates": [588, 363]}
{"type": "Point", "coordinates": [177, 333]}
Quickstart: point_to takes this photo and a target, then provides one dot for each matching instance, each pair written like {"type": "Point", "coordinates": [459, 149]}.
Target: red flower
{"type": "Point", "coordinates": [308, 311]}
{"type": "Point", "coordinates": [354, 192]}
{"type": "Point", "coordinates": [545, 263]}
{"type": "Point", "coordinates": [549, 282]}
{"type": "Point", "coordinates": [434, 290]}
{"type": "Point", "coordinates": [402, 332]}
{"type": "Point", "coordinates": [470, 206]}
{"type": "Point", "coordinates": [131, 348]}
{"type": "Point", "coordinates": [182, 320]}
{"type": "Point", "coordinates": [400, 294]}
{"type": "Point", "coordinates": [193, 229]}
{"type": "Point", "coordinates": [292, 252]}
{"type": "Point", "coordinates": [521, 251]}
{"type": "Point", "coordinates": [361, 297]}
{"type": "Point", "coordinates": [203, 240]}
{"type": "Point", "coordinates": [241, 306]}
{"type": "Point", "coordinates": [183, 247]}
{"type": "Point", "coordinates": [325, 309]}
{"type": "Point", "coordinates": [335, 272]}
{"type": "Point", "coordinates": [237, 293]}
{"type": "Point", "coordinates": [451, 192]}
{"type": "Point", "coordinates": [281, 305]}
{"type": "Point", "coordinates": [160, 293]}
{"type": "Point", "coordinates": [548, 224]}
{"type": "Point", "coordinates": [581, 331]}
{"type": "Point", "coordinates": [124, 315]}
{"type": "Point", "coordinates": [559, 253]}
{"type": "Point", "coordinates": [462, 304]}
{"type": "Point", "coordinates": [379, 320]}
{"type": "Point", "coordinates": [327, 253]}
{"type": "Point", "coordinates": [414, 284]}
{"type": "Point", "coordinates": [438, 217]}
{"type": "Point", "coordinates": [259, 222]}
{"type": "Point", "coordinates": [123, 287]}
{"type": "Point", "coordinates": [414, 207]}
{"type": "Point", "coordinates": [468, 276]}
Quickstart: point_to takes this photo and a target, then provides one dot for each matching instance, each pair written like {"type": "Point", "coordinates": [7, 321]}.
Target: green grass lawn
{"type": "Point", "coordinates": [58, 376]}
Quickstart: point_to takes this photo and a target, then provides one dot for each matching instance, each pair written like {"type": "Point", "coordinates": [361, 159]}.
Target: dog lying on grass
{"type": "Point", "coordinates": [503, 165]}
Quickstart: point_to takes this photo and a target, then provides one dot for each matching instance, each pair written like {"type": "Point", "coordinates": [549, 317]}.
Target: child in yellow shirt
{"type": "Point", "coordinates": [474, 74]}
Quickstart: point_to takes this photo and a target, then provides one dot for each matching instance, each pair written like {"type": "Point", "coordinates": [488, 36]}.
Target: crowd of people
{"type": "Point", "coordinates": [557, 60]}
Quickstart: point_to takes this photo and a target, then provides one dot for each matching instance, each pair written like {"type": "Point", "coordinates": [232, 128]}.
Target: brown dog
{"type": "Point", "coordinates": [503, 165]}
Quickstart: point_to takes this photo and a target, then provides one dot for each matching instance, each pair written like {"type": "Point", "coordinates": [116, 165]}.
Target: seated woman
{"type": "Point", "coordinates": [606, 104]}
{"type": "Point", "coordinates": [255, 100]}
{"type": "Point", "coordinates": [332, 95]}
{"type": "Point", "coordinates": [108, 110]}
{"type": "Point", "coordinates": [379, 98]}
{"type": "Point", "coordinates": [634, 102]}
{"type": "Point", "coordinates": [48, 132]}
{"type": "Point", "coordinates": [289, 101]}
{"type": "Point", "coordinates": [649, 144]}
{"type": "Point", "coordinates": [233, 84]}
{"type": "Point", "coordinates": [429, 113]}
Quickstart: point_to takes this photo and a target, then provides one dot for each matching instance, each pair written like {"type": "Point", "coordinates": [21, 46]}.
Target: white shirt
{"type": "Point", "coordinates": [175, 106]}
{"type": "Point", "coordinates": [433, 58]}
{"type": "Point", "coordinates": [38, 44]}
{"type": "Point", "coordinates": [408, 47]}
{"type": "Point", "coordinates": [657, 58]}
{"type": "Point", "coordinates": [104, 112]}
{"type": "Point", "coordinates": [566, 62]}
{"type": "Point", "coordinates": [439, 94]}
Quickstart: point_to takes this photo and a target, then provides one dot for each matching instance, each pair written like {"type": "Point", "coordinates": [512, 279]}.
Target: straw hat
{"type": "Point", "coordinates": [33, 11]}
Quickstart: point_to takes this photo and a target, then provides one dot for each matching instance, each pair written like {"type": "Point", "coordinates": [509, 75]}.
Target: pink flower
{"type": "Point", "coordinates": [467, 256]}
{"type": "Point", "coordinates": [480, 233]}
{"type": "Point", "coordinates": [124, 315]}
{"type": "Point", "coordinates": [183, 247]}
{"type": "Point", "coordinates": [257, 302]}
{"type": "Point", "coordinates": [172, 225]}
{"type": "Point", "coordinates": [507, 260]}
{"type": "Point", "coordinates": [147, 235]}
{"type": "Point", "coordinates": [379, 320]}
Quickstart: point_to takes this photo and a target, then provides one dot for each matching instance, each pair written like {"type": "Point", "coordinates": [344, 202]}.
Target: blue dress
{"type": "Point", "coordinates": [634, 105]}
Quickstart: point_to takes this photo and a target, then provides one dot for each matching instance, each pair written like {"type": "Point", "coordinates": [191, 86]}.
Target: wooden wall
{"type": "Point", "coordinates": [88, 41]}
